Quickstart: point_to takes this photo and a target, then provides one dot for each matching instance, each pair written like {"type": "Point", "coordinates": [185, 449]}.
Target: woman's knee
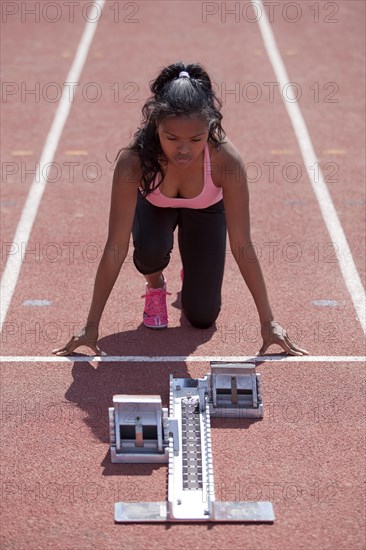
{"type": "Point", "coordinates": [148, 263]}
{"type": "Point", "coordinates": [151, 258]}
{"type": "Point", "coordinates": [202, 319]}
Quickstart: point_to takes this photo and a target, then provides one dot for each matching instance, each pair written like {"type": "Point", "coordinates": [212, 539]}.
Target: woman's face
{"type": "Point", "coordinates": [183, 139]}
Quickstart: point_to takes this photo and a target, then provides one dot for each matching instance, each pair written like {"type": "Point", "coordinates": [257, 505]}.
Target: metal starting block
{"type": "Point", "coordinates": [138, 429]}
{"type": "Point", "coordinates": [142, 431]}
{"type": "Point", "coordinates": [235, 390]}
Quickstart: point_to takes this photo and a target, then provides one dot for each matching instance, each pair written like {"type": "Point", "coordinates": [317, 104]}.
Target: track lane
{"type": "Point", "coordinates": [288, 250]}
{"type": "Point", "coordinates": [31, 85]}
{"type": "Point", "coordinates": [331, 101]}
{"type": "Point", "coordinates": [302, 428]}
{"type": "Point", "coordinates": [302, 456]}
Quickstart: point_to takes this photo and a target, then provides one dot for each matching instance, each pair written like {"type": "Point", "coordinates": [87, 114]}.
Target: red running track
{"type": "Point", "coordinates": [307, 455]}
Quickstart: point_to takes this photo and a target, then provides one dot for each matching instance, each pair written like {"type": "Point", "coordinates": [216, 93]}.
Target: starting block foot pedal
{"type": "Point", "coordinates": [235, 390]}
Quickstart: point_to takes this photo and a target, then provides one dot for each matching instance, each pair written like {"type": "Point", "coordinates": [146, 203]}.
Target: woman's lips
{"type": "Point", "coordinates": [182, 159]}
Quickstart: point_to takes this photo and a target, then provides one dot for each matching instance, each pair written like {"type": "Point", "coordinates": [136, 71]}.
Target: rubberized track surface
{"type": "Point", "coordinates": [307, 454]}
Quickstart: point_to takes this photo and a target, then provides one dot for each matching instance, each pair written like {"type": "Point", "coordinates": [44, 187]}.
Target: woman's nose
{"type": "Point", "coordinates": [184, 148]}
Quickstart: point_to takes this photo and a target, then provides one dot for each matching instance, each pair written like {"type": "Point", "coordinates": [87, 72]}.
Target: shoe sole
{"type": "Point", "coordinates": [157, 327]}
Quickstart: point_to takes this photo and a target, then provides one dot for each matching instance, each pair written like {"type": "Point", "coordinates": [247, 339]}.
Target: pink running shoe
{"type": "Point", "coordinates": [155, 312]}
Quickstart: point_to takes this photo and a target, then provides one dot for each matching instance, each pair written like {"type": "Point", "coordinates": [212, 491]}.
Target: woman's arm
{"type": "Point", "coordinates": [122, 209]}
{"type": "Point", "coordinates": [126, 179]}
{"type": "Point", "coordinates": [232, 177]}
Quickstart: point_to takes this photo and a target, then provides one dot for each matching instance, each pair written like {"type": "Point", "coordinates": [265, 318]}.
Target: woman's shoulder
{"type": "Point", "coordinates": [225, 159]}
{"type": "Point", "coordinates": [225, 152]}
{"type": "Point", "coordinates": [128, 166]}
{"type": "Point", "coordinates": [128, 157]}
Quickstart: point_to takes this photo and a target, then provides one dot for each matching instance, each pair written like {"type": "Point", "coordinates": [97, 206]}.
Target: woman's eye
{"type": "Point", "coordinates": [175, 139]}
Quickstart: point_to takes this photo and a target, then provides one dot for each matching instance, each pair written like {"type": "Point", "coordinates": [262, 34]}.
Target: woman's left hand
{"type": "Point", "coordinates": [273, 333]}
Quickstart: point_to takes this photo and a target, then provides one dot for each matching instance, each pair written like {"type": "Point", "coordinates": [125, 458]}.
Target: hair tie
{"type": "Point", "coordinates": [184, 74]}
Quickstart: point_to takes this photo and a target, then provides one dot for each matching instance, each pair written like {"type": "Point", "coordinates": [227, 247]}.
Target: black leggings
{"type": "Point", "coordinates": [202, 246]}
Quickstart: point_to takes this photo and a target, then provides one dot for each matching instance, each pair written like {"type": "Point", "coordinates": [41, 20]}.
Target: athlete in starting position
{"type": "Point", "coordinates": [180, 170]}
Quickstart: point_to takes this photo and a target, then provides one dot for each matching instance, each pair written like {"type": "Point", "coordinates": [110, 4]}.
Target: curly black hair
{"type": "Point", "coordinates": [174, 96]}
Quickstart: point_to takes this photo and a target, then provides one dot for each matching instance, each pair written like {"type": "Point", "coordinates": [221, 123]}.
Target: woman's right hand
{"type": "Point", "coordinates": [88, 336]}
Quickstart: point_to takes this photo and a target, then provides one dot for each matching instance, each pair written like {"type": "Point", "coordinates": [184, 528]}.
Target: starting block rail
{"type": "Point", "coordinates": [141, 431]}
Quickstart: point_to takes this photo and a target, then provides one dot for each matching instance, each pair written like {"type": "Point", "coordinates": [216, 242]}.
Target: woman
{"type": "Point", "coordinates": [180, 171]}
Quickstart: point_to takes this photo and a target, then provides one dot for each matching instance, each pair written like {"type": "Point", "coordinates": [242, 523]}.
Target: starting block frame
{"type": "Point", "coordinates": [142, 431]}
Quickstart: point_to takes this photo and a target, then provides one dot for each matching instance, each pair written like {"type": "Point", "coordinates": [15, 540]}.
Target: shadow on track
{"type": "Point", "coordinates": [94, 384]}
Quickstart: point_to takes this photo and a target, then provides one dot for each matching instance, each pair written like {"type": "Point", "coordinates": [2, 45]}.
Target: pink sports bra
{"type": "Point", "coordinates": [210, 194]}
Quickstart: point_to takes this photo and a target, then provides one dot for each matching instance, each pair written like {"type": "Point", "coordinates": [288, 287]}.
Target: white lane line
{"type": "Point", "coordinates": [14, 261]}
{"type": "Point", "coordinates": [329, 213]}
{"type": "Point", "coordinates": [183, 358]}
